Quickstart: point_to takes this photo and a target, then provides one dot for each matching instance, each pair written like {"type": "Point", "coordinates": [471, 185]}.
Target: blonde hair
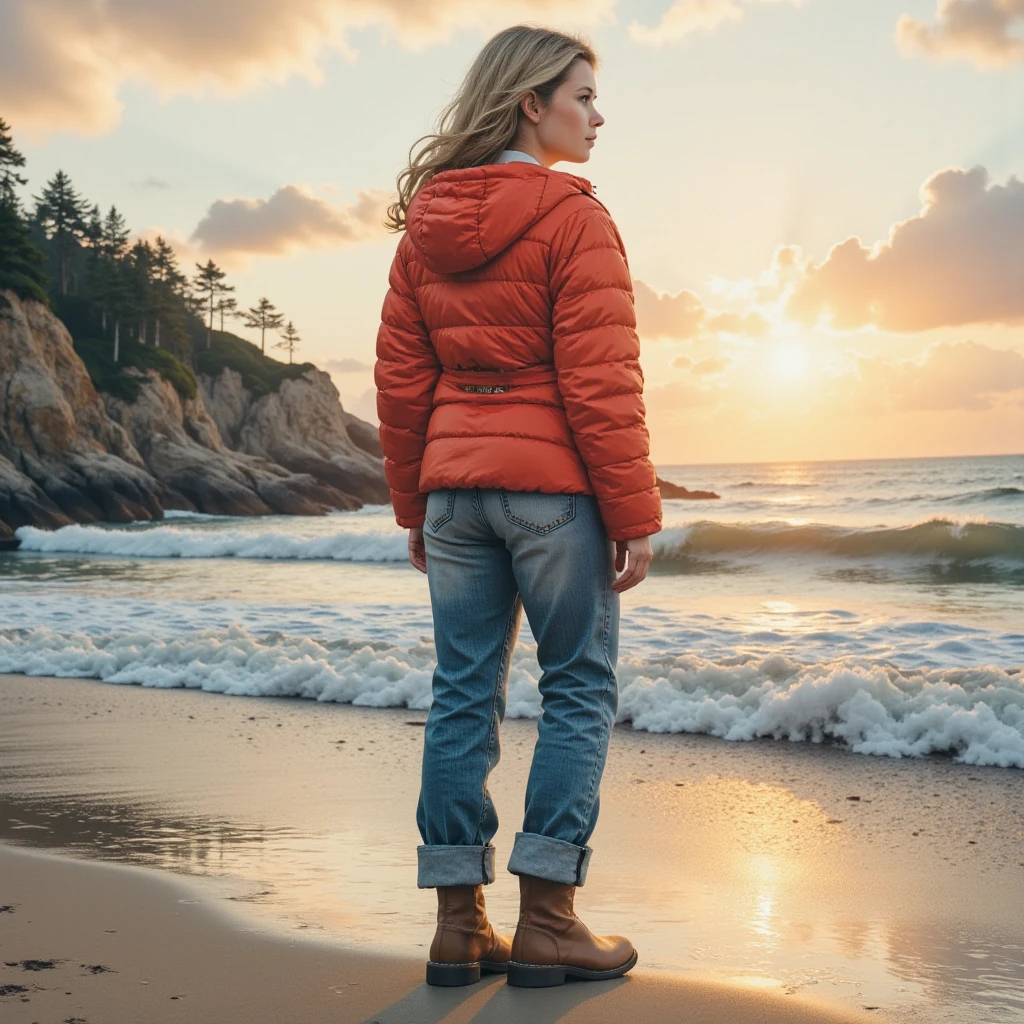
{"type": "Point", "coordinates": [483, 117]}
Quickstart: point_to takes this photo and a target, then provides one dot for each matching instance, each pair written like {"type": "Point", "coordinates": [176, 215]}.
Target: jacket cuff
{"type": "Point", "coordinates": [637, 530]}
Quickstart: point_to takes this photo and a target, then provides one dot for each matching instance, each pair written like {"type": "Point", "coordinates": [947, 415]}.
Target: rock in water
{"type": "Point", "coordinates": [675, 491]}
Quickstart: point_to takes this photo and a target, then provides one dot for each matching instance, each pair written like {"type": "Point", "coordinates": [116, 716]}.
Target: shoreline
{"type": "Point", "coordinates": [128, 939]}
{"type": "Point", "coordinates": [789, 870]}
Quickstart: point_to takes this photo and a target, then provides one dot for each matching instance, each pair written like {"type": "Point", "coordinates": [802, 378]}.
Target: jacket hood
{"type": "Point", "coordinates": [462, 218]}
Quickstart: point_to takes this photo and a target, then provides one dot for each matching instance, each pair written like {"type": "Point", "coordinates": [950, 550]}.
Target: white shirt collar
{"type": "Point", "coordinates": [509, 155]}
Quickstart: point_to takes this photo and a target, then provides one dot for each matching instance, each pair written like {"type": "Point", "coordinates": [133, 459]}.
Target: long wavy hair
{"type": "Point", "coordinates": [483, 116]}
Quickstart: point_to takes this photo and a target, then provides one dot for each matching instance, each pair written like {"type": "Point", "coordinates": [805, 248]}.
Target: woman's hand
{"type": "Point", "coordinates": [417, 552]}
{"type": "Point", "coordinates": [640, 555]}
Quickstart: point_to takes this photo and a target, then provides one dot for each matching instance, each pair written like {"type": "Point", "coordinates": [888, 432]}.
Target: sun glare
{"type": "Point", "coordinates": [790, 361]}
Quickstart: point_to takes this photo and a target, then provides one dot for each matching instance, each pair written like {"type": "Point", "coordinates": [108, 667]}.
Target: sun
{"type": "Point", "coordinates": [789, 360]}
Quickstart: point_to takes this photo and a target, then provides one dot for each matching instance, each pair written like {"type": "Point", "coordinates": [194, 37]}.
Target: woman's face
{"type": "Point", "coordinates": [566, 128]}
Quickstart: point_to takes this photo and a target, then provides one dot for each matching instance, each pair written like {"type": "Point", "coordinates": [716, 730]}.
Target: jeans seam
{"type": "Point", "coordinates": [494, 700]}
{"type": "Point", "coordinates": [477, 507]}
{"type": "Point", "coordinates": [598, 762]}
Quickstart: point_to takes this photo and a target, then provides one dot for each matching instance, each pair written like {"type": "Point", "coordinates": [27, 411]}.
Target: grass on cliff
{"type": "Point", "coordinates": [110, 377]}
{"type": "Point", "coordinates": [260, 374]}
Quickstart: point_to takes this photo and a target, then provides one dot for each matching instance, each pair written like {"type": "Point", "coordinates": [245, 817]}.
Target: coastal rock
{"type": "Point", "coordinates": [363, 434]}
{"type": "Point", "coordinates": [302, 427]}
{"type": "Point", "coordinates": [183, 448]}
{"type": "Point", "coordinates": [669, 490]}
{"type": "Point", "coordinates": [64, 459]}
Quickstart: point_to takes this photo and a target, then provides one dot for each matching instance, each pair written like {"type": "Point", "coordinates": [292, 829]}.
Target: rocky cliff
{"type": "Point", "coordinates": [69, 454]}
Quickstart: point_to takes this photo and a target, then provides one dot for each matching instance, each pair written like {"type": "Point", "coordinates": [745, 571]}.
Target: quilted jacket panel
{"type": "Point", "coordinates": [507, 353]}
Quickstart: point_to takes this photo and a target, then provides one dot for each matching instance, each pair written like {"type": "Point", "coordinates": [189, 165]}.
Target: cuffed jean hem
{"type": "Point", "coordinates": [454, 865]}
{"type": "Point", "coordinates": [553, 859]}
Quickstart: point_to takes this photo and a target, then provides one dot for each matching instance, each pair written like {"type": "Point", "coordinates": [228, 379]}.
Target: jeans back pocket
{"type": "Point", "coordinates": [440, 506]}
{"type": "Point", "coordinates": [538, 512]}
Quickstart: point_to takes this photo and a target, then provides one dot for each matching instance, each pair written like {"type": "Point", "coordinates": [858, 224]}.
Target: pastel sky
{"type": "Point", "coordinates": [820, 198]}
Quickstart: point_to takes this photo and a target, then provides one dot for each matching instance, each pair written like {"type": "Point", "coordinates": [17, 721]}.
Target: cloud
{"type": "Point", "coordinates": [966, 375]}
{"type": "Point", "coordinates": [685, 17]}
{"type": "Point", "coordinates": [292, 218]}
{"type": "Point", "coordinates": [347, 365]}
{"type": "Point", "coordinates": [659, 315]}
{"type": "Point", "coordinates": [708, 367]}
{"type": "Point", "coordinates": [749, 325]}
{"type": "Point", "coordinates": [63, 62]}
{"type": "Point", "coordinates": [979, 31]}
{"type": "Point", "coordinates": [152, 183]}
{"type": "Point", "coordinates": [675, 397]}
{"type": "Point", "coordinates": [960, 261]}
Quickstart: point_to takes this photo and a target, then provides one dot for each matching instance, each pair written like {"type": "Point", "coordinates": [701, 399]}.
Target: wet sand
{"type": "Point", "coordinates": [89, 943]}
{"type": "Point", "coordinates": [256, 858]}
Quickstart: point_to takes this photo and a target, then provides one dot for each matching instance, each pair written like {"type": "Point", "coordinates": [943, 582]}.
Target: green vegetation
{"type": "Point", "coordinates": [21, 263]}
{"type": "Point", "coordinates": [127, 305]}
{"type": "Point", "coordinates": [260, 374]}
{"type": "Point", "coordinates": [114, 378]}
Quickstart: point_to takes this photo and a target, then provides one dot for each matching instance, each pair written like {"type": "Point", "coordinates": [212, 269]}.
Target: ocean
{"type": "Point", "coordinates": [876, 605]}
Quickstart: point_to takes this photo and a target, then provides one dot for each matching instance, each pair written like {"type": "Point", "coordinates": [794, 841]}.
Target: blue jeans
{"type": "Point", "coordinates": [491, 554]}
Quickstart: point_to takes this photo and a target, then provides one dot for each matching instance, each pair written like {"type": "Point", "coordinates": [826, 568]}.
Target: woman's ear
{"type": "Point", "coordinates": [530, 107]}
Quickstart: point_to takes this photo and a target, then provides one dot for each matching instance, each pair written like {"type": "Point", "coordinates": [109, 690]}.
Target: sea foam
{"type": "Point", "coordinates": [974, 714]}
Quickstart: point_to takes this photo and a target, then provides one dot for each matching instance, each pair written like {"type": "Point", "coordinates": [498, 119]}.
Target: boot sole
{"type": "Point", "coordinates": [454, 975]}
{"type": "Point", "coordinates": [549, 975]}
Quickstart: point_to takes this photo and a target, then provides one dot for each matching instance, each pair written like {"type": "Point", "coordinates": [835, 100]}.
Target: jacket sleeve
{"type": "Point", "coordinates": [406, 372]}
{"type": "Point", "coordinates": [596, 355]}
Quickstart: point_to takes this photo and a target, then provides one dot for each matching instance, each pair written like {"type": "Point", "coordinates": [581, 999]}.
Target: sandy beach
{"type": "Point", "coordinates": [89, 942]}
{"type": "Point", "coordinates": [255, 858]}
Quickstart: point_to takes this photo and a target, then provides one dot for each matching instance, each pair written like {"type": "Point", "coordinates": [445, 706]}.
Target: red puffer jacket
{"type": "Point", "coordinates": [507, 353]}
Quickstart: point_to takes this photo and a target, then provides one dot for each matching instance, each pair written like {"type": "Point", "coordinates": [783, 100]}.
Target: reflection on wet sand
{"type": "Point", "coordinates": [793, 868]}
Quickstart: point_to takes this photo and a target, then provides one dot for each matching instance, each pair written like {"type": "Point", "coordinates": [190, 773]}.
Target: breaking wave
{"type": "Point", "coordinates": [935, 538]}
{"type": "Point", "coordinates": [976, 715]}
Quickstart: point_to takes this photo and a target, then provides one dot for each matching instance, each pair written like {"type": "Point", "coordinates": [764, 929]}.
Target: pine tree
{"type": "Point", "coordinates": [61, 212]}
{"type": "Point", "coordinates": [21, 263]}
{"type": "Point", "coordinates": [10, 158]}
{"type": "Point", "coordinates": [209, 283]}
{"type": "Point", "coordinates": [142, 287]}
{"type": "Point", "coordinates": [226, 307]}
{"type": "Point", "coordinates": [169, 306]}
{"type": "Point", "coordinates": [289, 340]}
{"type": "Point", "coordinates": [112, 286]}
{"type": "Point", "coordinates": [263, 317]}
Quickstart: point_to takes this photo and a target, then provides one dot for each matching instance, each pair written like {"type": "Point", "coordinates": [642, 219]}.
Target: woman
{"type": "Point", "coordinates": [512, 423]}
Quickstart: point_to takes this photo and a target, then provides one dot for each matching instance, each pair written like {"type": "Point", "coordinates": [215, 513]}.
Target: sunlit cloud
{"type": "Point", "coordinates": [63, 62]}
{"type": "Point", "coordinates": [292, 218]}
{"type": "Point", "coordinates": [686, 17]}
{"type": "Point", "coordinates": [709, 367]}
{"type": "Point", "coordinates": [676, 396]}
{"type": "Point", "coordinates": [661, 315]}
{"type": "Point", "coordinates": [967, 375]}
{"type": "Point", "coordinates": [960, 261]}
{"type": "Point", "coordinates": [979, 31]}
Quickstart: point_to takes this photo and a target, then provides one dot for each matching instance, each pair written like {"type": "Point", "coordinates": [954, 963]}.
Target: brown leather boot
{"type": "Point", "coordinates": [465, 943]}
{"type": "Point", "coordinates": [552, 942]}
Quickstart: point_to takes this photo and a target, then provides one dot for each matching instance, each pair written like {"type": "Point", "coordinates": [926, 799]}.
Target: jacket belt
{"type": "Point", "coordinates": [485, 378]}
